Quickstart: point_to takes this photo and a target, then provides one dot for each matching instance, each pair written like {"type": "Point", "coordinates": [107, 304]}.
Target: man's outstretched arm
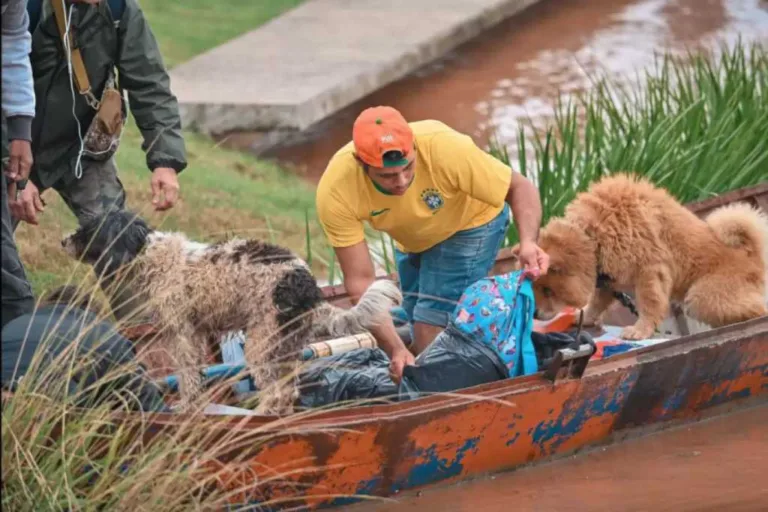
{"type": "Point", "coordinates": [358, 270]}
{"type": "Point", "coordinates": [523, 198]}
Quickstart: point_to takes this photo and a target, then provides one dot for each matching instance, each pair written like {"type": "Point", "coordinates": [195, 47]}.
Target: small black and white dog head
{"type": "Point", "coordinates": [108, 241]}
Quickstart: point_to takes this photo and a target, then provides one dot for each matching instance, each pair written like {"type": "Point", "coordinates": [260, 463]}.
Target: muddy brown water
{"type": "Point", "coordinates": [717, 465]}
{"type": "Point", "coordinates": [518, 68]}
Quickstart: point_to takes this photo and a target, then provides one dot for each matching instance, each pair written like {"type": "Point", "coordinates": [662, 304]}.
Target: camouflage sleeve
{"type": "Point", "coordinates": [153, 105]}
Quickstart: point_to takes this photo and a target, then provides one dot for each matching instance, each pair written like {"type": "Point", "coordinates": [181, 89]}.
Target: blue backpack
{"type": "Point", "coordinates": [498, 311]}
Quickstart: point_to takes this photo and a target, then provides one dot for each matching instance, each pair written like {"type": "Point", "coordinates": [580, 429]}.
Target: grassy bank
{"type": "Point", "coordinates": [695, 125]}
{"type": "Point", "coordinates": [185, 28]}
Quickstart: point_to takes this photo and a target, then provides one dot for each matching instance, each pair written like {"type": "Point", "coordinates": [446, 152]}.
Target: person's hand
{"type": "Point", "coordinates": [165, 188]}
{"type": "Point", "coordinates": [399, 360]}
{"type": "Point", "coordinates": [19, 160]}
{"type": "Point", "coordinates": [28, 203]}
{"type": "Point", "coordinates": [533, 260]}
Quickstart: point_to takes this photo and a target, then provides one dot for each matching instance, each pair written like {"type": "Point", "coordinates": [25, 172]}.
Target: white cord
{"type": "Point", "coordinates": [67, 50]}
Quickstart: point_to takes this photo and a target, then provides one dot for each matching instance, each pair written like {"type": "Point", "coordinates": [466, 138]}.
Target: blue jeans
{"type": "Point", "coordinates": [434, 280]}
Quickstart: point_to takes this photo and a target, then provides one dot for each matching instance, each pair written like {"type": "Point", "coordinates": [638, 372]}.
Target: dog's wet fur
{"type": "Point", "coordinates": [196, 292]}
{"type": "Point", "coordinates": [644, 241]}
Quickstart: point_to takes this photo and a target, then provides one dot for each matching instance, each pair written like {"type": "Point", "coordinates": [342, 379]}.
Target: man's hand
{"type": "Point", "coordinates": [357, 268]}
{"type": "Point", "coordinates": [533, 260]}
{"type": "Point", "coordinates": [28, 203]}
{"type": "Point", "coordinates": [399, 360]}
{"type": "Point", "coordinates": [165, 188]}
{"type": "Point", "coordinates": [20, 159]}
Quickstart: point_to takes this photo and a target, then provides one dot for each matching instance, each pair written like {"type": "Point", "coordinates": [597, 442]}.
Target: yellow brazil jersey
{"type": "Point", "coordinates": [456, 186]}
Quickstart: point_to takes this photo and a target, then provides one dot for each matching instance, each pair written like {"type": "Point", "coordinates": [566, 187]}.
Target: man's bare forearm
{"type": "Point", "coordinates": [387, 338]}
{"type": "Point", "coordinates": [524, 200]}
{"type": "Point", "coordinates": [385, 333]}
{"type": "Point", "coordinates": [358, 276]}
{"type": "Point", "coordinates": [357, 286]}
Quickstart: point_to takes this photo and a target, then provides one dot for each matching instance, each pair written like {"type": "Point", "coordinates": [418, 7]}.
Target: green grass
{"type": "Point", "coordinates": [185, 28]}
{"type": "Point", "coordinates": [695, 125]}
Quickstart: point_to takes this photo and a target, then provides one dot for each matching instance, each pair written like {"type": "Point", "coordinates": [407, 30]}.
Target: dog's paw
{"type": "Point", "coordinates": [634, 332]}
{"type": "Point", "coordinates": [388, 289]}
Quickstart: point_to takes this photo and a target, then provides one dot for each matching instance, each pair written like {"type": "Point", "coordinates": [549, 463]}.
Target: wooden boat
{"type": "Point", "coordinates": [339, 456]}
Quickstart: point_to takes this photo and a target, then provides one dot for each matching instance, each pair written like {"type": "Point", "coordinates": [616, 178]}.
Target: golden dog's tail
{"type": "Point", "coordinates": [741, 226]}
{"type": "Point", "coordinates": [369, 311]}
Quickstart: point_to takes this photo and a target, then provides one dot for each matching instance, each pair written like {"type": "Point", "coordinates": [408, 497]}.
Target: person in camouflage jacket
{"type": "Point", "coordinates": [107, 42]}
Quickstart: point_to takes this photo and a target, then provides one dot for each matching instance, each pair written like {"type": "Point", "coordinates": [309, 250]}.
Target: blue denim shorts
{"type": "Point", "coordinates": [433, 281]}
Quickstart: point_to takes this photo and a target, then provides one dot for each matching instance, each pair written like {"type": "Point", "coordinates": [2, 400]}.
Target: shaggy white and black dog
{"type": "Point", "coordinates": [195, 292]}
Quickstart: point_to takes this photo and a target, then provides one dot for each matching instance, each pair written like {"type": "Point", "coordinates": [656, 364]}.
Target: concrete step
{"type": "Point", "coordinates": [321, 56]}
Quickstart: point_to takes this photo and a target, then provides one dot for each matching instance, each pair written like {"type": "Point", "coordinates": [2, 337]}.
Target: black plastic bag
{"type": "Point", "coordinates": [451, 362]}
{"type": "Point", "coordinates": [356, 375]}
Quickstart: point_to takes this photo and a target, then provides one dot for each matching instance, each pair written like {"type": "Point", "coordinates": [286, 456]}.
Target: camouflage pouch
{"type": "Point", "coordinates": [103, 136]}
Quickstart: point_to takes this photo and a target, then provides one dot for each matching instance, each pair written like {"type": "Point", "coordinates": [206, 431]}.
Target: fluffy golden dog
{"type": "Point", "coordinates": [634, 237]}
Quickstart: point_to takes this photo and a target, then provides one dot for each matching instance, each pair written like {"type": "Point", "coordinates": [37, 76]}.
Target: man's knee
{"type": "Point", "coordinates": [429, 314]}
{"type": "Point", "coordinates": [440, 289]}
{"type": "Point", "coordinates": [98, 190]}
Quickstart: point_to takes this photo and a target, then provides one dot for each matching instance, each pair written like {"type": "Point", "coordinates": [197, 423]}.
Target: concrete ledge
{"type": "Point", "coordinates": [322, 56]}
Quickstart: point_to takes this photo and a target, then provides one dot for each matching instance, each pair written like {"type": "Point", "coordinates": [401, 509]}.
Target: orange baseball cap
{"type": "Point", "coordinates": [379, 130]}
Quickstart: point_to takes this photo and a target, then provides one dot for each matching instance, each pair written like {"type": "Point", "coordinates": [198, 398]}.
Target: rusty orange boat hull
{"type": "Point", "coordinates": [338, 457]}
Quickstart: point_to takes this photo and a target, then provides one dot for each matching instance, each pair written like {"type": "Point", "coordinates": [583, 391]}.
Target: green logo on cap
{"type": "Point", "coordinates": [378, 120]}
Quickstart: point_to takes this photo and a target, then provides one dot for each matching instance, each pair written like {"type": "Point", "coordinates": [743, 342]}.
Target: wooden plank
{"type": "Point", "coordinates": [733, 196]}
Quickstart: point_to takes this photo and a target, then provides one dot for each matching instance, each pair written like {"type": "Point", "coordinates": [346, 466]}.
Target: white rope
{"type": "Point", "coordinates": [68, 51]}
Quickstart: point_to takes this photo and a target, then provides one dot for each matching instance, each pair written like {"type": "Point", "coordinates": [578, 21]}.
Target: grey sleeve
{"type": "Point", "coordinates": [18, 93]}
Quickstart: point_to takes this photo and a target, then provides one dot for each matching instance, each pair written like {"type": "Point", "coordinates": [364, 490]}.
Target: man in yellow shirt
{"type": "Point", "coordinates": [444, 201]}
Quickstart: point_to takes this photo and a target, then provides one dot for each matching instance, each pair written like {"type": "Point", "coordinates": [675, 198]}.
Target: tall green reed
{"type": "Point", "coordinates": [696, 125]}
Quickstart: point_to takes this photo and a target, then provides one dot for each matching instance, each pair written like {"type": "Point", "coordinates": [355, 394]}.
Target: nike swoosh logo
{"type": "Point", "coordinates": [376, 213]}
